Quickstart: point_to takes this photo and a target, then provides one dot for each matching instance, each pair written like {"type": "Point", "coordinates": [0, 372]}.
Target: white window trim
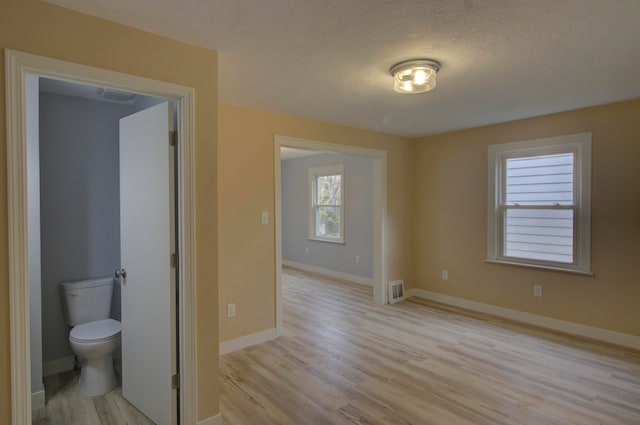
{"type": "Point", "coordinates": [578, 143]}
{"type": "Point", "coordinates": [314, 173]}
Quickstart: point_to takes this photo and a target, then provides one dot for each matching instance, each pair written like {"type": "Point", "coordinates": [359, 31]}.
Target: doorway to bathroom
{"type": "Point", "coordinates": [105, 187]}
{"type": "Point", "coordinates": [98, 207]}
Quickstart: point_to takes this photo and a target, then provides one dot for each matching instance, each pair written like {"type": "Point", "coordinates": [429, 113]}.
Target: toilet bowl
{"type": "Point", "coordinates": [94, 335]}
{"type": "Point", "coordinates": [94, 343]}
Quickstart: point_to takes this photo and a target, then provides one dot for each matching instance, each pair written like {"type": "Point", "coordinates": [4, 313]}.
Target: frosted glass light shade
{"type": "Point", "coordinates": [415, 76]}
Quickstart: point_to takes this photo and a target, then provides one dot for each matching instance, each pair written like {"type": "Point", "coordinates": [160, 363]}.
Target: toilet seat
{"type": "Point", "coordinates": [100, 330]}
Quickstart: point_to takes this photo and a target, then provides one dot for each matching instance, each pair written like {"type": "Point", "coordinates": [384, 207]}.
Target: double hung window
{"type": "Point", "coordinates": [326, 207]}
{"type": "Point", "coordinates": [539, 203]}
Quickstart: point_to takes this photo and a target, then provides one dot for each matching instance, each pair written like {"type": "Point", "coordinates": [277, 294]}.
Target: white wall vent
{"type": "Point", "coordinates": [117, 96]}
{"type": "Point", "coordinates": [396, 291]}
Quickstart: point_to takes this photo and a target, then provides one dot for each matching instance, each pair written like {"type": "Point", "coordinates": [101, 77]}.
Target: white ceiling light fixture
{"type": "Point", "coordinates": [415, 76]}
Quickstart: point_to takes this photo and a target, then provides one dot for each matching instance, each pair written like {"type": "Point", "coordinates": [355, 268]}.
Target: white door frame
{"type": "Point", "coordinates": [379, 212]}
{"type": "Point", "coordinates": [17, 66]}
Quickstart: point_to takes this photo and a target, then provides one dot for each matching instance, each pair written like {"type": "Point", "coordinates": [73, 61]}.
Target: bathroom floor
{"type": "Point", "coordinates": [67, 406]}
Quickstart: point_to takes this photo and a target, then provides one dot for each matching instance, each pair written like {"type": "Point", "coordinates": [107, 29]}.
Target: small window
{"type": "Point", "coordinates": [539, 203]}
{"type": "Point", "coordinates": [326, 217]}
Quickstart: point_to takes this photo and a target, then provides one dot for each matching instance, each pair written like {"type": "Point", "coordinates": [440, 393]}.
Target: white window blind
{"type": "Point", "coordinates": [539, 207]}
{"type": "Point", "coordinates": [539, 202]}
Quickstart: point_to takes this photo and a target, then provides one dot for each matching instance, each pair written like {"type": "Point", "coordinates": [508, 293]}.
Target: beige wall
{"type": "Point", "coordinates": [451, 200]}
{"type": "Point", "coordinates": [246, 187]}
{"type": "Point", "coordinates": [43, 29]}
{"type": "Point", "coordinates": [436, 195]}
{"type": "Point", "coordinates": [437, 208]}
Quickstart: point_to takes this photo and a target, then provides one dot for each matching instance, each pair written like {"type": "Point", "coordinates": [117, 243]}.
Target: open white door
{"type": "Point", "coordinates": [147, 240]}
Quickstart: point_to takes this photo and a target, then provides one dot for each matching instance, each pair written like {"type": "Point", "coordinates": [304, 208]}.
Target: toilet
{"type": "Point", "coordinates": [94, 335]}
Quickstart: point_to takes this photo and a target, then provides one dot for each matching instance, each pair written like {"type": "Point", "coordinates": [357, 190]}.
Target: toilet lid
{"type": "Point", "coordinates": [95, 331]}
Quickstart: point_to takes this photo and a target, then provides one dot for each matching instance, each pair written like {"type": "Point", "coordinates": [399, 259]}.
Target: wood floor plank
{"type": "Point", "coordinates": [343, 360]}
{"type": "Point", "coordinates": [65, 405]}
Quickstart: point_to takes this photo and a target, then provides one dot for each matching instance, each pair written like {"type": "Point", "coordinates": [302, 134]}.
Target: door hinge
{"type": "Point", "coordinates": [173, 138]}
{"type": "Point", "coordinates": [174, 260]}
{"type": "Point", "coordinates": [175, 381]}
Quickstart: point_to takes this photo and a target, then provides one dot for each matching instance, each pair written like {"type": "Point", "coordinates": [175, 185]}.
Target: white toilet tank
{"type": "Point", "coordinates": [86, 300]}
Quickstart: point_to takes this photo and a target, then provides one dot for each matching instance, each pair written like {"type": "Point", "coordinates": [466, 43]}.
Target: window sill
{"type": "Point", "coordinates": [539, 266]}
{"type": "Point", "coordinates": [326, 240]}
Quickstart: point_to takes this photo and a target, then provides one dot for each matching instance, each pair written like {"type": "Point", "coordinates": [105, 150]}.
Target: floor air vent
{"type": "Point", "coordinates": [396, 291]}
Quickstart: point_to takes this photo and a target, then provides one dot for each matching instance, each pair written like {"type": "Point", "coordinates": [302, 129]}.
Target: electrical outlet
{"type": "Point", "coordinates": [306, 250]}
{"type": "Point", "coordinates": [445, 275]}
{"type": "Point", "coordinates": [537, 290]}
{"type": "Point", "coordinates": [357, 259]}
{"type": "Point", "coordinates": [231, 310]}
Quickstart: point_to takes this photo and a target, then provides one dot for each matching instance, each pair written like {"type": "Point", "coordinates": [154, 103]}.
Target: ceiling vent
{"type": "Point", "coordinates": [117, 96]}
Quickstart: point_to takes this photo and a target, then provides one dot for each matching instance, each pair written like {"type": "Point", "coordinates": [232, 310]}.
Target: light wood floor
{"type": "Point", "coordinates": [343, 360]}
{"type": "Point", "coordinates": [65, 405]}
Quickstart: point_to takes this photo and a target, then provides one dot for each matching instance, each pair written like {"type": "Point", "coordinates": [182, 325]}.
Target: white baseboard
{"type": "Point", "coordinates": [247, 341]}
{"type": "Point", "coordinates": [214, 420]}
{"type": "Point", "coordinates": [53, 367]}
{"type": "Point", "coordinates": [37, 400]}
{"type": "Point", "coordinates": [328, 272]}
{"type": "Point", "coordinates": [577, 329]}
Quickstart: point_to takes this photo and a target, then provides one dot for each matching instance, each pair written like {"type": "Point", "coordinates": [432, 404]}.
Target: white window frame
{"type": "Point", "coordinates": [314, 173]}
{"type": "Point", "coordinates": [580, 145]}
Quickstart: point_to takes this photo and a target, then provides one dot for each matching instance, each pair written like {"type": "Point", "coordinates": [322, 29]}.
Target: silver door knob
{"type": "Point", "coordinates": [122, 273]}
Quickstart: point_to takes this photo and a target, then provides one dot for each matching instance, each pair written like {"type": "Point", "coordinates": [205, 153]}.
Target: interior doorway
{"type": "Point", "coordinates": [379, 212]}
{"type": "Point", "coordinates": [97, 162]}
{"type": "Point", "coordinates": [20, 67]}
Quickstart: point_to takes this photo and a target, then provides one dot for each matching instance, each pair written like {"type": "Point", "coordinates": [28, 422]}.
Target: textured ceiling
{"type": "Point", "coordinates": [329, 59]}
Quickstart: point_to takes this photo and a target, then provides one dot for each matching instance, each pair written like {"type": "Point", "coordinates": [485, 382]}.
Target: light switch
{"type": "Point", "coordinates": [265, 217]}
